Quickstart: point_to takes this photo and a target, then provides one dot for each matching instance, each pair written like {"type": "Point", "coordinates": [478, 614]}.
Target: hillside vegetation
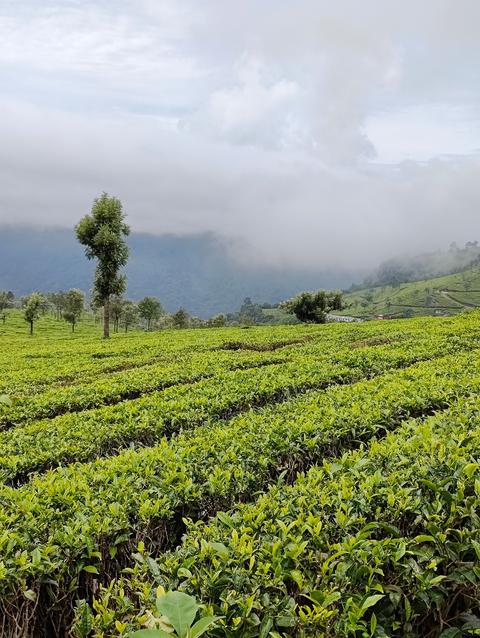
{"type": "Point", "coordinates": [447, 295]}
{"type": "Point", "coordinates": [307, 480]}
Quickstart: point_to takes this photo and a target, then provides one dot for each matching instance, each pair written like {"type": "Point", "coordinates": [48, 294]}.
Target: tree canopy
{"type": "Point", "coordinates": [102, 233]}
{"type": "Point", "coordinates": [7, 299]}
{"type": "Point", "coordinates": [130, 314]}
{"type": "Point", "coordinates": [313, 307]}
{"type": "Point", "coordinates": [74, 301]}
{"type": "Point", "coordinates": [34, 305]}
{"type": "Point", "coordinates": [181, 318]}
{"type": "Point", "coordinates": [150, 309]}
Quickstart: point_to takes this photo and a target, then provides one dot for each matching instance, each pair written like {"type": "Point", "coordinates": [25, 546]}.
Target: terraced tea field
{"type": "Point", "coordinates": [447, 295]}
{"type": "Point", "coordinates": [297, 480]}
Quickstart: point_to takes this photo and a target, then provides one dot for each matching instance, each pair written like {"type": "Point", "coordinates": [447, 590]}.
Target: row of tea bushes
{"type": "Point", "coordinates": [72, 526]}
{"type": "Point", "coordinates": [113, 388]}
{"type": "Point", "coordinates": [381, 542]}
{"type": "Point", "coordinates": [41, 445]}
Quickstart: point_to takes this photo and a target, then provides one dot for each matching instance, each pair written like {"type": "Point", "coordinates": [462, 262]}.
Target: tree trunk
{"type": "Point", "coordinates": [106, 318]}
{"type": "Point", "coordinates": [73, 326]}
{"type": "Point", "coordinates": [31, 327]}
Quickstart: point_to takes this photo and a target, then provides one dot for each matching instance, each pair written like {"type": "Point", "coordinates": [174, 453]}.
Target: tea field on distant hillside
{"type": "Point", "coordinates": [447, 295]}
{"type": "Point", "coordinates": [298, 480]}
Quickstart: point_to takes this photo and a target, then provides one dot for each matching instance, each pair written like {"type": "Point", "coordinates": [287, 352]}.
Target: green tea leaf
{"type": "Point", "coordinates": [201, 626]}
{"type": "Point", "coordinates": [371, 601]}
{"type": "Point", "coordinates": [180, 610]}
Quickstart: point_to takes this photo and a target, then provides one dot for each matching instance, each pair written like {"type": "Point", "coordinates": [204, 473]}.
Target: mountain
{"type": "Point", "coordinates": [447, 295]}
{"type": "Point", "coordinates": [405, 268]}
{"type": "Point", "coordinates": [195, 271]}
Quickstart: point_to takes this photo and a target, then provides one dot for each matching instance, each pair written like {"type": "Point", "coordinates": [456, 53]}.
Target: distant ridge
{"type": "Point", "coordinates": [194, 271]}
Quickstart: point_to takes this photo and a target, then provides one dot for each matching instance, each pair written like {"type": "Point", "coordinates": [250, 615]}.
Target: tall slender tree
{"type": "Point", "coordinates": [58, 301]}
{"type": "Point", "coordinates": [6, 301]}
{"type": "Point", "coordinates": [74, 305]}
{"type": "Point", "coordinates": [129, 314]}
{"type": "Point", "coordinates": [103, 234]}
{"type": "Point", "coordinates": [116, 309]}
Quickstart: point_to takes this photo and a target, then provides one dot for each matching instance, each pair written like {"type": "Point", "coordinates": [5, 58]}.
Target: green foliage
{"type": "Point", "coordinates": [313, 448]}
{"type": "Point", "coordinates": [73, 304]}
{"type": "Point", "coordinates": [57, 301]}
{"type": "Point", "coordinates": [250, 313]}
{"type": "Point", "coordinates": [150, 309]}
{"type": "Point", "coordinates": [447, 295]}
{"type": "Point", "coordinates": [218, 321]}
{"type": "Point", "coordinates": [84, 619]}
{"type": "Point", "coordinates": [313, 307]}
{"type": "Point", "coordinates": [7, 299]}
{"type": "Point", "coordinates": [376, 542]}
{"type": "Point", "coordinates": [34, 305]}
{"type": "Point", "coordinates": [129, 315]}
{"type": "Point", "coordinates": [102, 233]}
{"type": "Point", "coordinates": [5, 400]}
{"type": "Point", "coordinates": [116, 310]}
{"type": "Point", "coordinates": [139, 386]}
{"type": "Point", "coordinates": [180, 319]}
{"type": "Point", "coordinates": [178, 612]}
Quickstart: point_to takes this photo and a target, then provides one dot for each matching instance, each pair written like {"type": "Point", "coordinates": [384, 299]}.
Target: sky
{"type": "Point", "coordinates": [306, 134]}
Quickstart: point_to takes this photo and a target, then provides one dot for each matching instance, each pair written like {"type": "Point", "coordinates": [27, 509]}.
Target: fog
{"type": "Point", "coordinates": [306, 134]}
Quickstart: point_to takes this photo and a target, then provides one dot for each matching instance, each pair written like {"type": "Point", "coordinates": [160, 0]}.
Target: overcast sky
{"type": "Point", "coordinates": [307, 132]}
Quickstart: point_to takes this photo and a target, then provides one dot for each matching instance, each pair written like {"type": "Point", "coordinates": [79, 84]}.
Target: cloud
{"type": "Point", "coordinates": [306, 134]}
{"type": "Point", "coordinates": [254, 111]}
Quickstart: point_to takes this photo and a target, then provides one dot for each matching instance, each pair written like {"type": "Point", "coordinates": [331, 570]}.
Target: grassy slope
{"type": "Point", "coordinates": [446, 295]}
{"type": "Point", "coordinates": [47, 327]}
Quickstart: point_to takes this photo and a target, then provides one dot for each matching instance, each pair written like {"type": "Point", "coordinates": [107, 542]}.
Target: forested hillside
{"type": "Point", "coordinates": [196, 272]}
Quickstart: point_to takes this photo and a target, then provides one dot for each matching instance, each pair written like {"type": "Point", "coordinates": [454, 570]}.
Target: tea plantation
{"type": "Point", "coordinates": [301, 481]}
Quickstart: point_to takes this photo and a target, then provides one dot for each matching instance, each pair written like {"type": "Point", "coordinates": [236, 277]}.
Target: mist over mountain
{"type": "Point", "coordinates": [407, 268]}
{"type": "Point", "coordinates": [197, 272]}
{"type": "Point", "coordinates": [318, 134]}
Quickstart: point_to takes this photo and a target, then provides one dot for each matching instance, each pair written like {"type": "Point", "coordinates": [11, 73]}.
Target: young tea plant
{"type": "Point", "coordinates": [5, 401]}
{"type": "Point", "coordinates": [178, 612]}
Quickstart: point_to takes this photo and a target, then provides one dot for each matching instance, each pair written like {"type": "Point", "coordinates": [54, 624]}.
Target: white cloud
{"type": "Point", "coordinates": [283, 125]}
{"type": "Point", "coordinates": [424, 131]}
{"type": "Point", "coordinates": [255, 110]}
